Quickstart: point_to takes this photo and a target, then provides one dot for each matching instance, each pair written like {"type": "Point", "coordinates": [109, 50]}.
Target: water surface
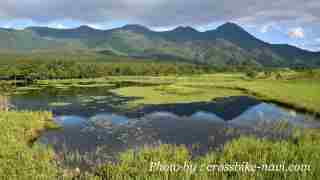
{"type": "Point", "coordinates": [93, 118]}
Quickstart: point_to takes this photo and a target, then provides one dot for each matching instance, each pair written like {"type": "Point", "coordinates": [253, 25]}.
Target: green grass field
{"type": "Point", "coordinates": [167, 94]}
{"type": "Point", "coordinates": [298, 93]}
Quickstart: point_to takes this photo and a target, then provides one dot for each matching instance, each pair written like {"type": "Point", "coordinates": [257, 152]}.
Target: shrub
{"type": "Point", "coordinates": [252, 74]}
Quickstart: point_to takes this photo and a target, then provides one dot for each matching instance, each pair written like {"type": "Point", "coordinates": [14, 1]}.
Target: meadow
{"type": "Point", "coordinates": [295, 89]}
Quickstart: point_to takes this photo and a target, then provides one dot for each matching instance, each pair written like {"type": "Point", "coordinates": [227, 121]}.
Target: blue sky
{"type": "Point", "coordinates": [292, 22]}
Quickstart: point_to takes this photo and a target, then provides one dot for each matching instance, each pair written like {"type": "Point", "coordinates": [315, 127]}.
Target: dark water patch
{"type": "Point", "coordinates": [115, 133]}
{"type": "Point", "coordinates": [121, 84]}
{"type": "Point", "coordinates": [226, 108]}
{"type": "Point", "coordinates": [78, 101]}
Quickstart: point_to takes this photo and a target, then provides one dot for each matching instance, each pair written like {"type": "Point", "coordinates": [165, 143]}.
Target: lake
{"type": "Point", "coordinates": [97, 124]}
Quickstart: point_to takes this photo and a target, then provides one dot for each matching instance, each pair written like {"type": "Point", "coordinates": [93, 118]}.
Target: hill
{"type": "Point", "coordinates": [228, 45]}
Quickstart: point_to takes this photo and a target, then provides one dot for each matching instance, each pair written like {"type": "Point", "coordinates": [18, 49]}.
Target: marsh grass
{"type": "Point", "coordinates": [297, 90]}
{"type": "Point", "coordinates": [19, 159]}
{"type": "Point", "coordinates": [4, 103]}
{"type": "Point", "coordinates": [59, 104]}
{"type": "Point", "coordinates": [301, 148]}
{"type": "Point", "coordinates": [83, 160]}
{"type": "Point", "coordinates": [166, 94]}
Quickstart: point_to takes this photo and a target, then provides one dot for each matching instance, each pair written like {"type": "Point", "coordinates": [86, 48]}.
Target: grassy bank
{"type": "Point", "coordinates": [19, 159]}
{"type": "Point", "coordinates": [296, 158]}
{"type": "Point", "coordinates": [294, 90]}
{"type": "Point", "coordinates": [166, 94]}
{"type": "Point", "coordinates": [301, 95]}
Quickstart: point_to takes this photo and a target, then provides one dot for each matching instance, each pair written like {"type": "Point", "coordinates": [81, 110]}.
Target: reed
{"type": "Point", "coordinates": [4, 103]}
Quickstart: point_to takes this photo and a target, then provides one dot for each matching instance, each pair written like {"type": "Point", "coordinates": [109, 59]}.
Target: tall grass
{"type": "Point", "coordinates": [18, 158]}
{"type": "Point", "coordinates": [302, 149]}
{"type": "Point", "coordinates": [4, 103]}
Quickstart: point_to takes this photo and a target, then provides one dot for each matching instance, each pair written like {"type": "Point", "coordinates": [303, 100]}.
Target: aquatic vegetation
{"type": "Point", "coordinates": [301, 148]}
{"type": "Point", "coordinates": [86, 161]}
{"type": "Point", "coordinates": [56, 104]}
{"type": "Point", "coordinates": [74, 83]}
{"type": "Point", "coordinates": [162, 162]}
{"type": "Point", "coordinates": [166, 94]}
{"type": "Point", "coordinates": [28, 88]}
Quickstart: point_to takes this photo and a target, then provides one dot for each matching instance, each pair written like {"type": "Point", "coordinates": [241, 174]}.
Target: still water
{"type": "Point", "coordinates": [93, 118]}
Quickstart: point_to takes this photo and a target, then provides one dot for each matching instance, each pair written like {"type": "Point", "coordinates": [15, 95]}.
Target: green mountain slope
{"type": "Point", "coordinates": [27, 40]}
{"type": "Point", "coordinates": [229, 44]}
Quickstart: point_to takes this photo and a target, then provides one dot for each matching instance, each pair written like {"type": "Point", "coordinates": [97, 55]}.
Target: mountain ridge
{"type": "Point", "coordinates": [228, 44]}
{"type": "Point", "coordinates": [179, 28]}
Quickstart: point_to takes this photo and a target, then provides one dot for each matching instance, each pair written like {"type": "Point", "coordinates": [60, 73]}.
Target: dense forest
{"type": "Point", "coordinates": [35, 69]}
{"type": "Point", "coordinates": [60, 69]}
{"type": "Point", "coordinates": [84, 64]}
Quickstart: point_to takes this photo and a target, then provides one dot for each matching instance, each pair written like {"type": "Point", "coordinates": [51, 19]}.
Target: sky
{"type": "Point", "coordinates": [295, 22]}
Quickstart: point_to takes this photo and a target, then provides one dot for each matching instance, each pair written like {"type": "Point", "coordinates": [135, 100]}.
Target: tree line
{"type": "Point", "coordinates": [61, 69]}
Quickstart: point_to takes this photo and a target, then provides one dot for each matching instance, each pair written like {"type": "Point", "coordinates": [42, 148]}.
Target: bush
{"type": "Point", "coordinates": [252, 74]}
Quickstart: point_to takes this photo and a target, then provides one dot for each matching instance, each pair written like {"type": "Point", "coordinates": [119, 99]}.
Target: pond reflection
{"type": "Point", "coordinates": [93, 117]}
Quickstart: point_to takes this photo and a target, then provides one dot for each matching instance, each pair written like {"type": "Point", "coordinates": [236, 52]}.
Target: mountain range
{"type": "Point", "coordinates": [229, 44]}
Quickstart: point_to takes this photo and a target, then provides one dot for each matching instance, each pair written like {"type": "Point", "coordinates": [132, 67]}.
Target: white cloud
{"type": "Point", "coordinates": [96, 26]}
{"type": "Point", "coordinates": [7, 26]}
{"type": "Point", "coordinates": [57, 25]}
{"type": "Point", "coordinates": [266, 28]}
{"type": "Point", "coordinates": [297, 33]}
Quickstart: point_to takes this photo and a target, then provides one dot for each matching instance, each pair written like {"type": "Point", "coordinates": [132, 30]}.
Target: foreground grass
{"type": "Point", "coordinates": [18, 159]}
{"type": "Point", "coordinates": [299, 157]}
{"type": "Point", "coordinates": [21, 160]}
